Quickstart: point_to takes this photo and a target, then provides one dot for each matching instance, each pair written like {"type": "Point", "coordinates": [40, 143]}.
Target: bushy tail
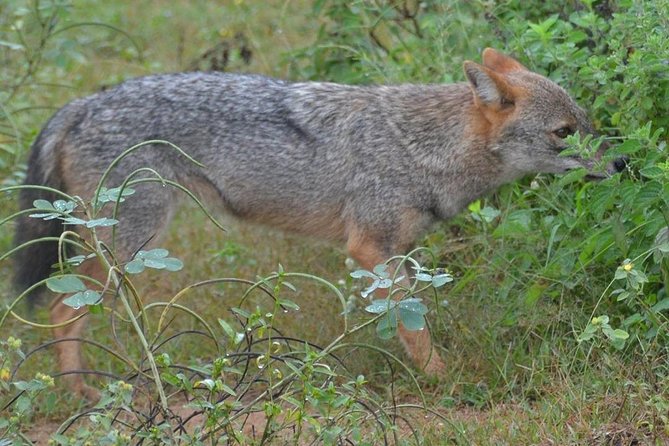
{"type": "Point", "coordinates": [33, 263]}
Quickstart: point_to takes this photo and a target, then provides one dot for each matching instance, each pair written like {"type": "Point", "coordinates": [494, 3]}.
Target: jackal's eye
{"type": "Point", "coordinates": [563, 132]}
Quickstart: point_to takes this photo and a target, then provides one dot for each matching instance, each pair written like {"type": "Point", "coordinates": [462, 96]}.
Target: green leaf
{"type": "Point", "coordinates": [620, 334]}
{"type": "Point", "coordinates": [209, 383]}
{"type": "Point", "coordinates": [412, 320]}
{"type": "Point", "coordinates": [170, 378]}
{"type": "Point", "coordinates": [11, 45]}
{"type": "Point", "coordinates": [573, 176]}
{"type": "Point", "coordinates": [661, 244]}
{"type": "Point", "coordinates": [23, 404]}
{"type": "Point", "coordinates": [55, 210]}
{"type": "Point", "coordinates": [588, 333]}
{"type": "Point", "coordinates": [64, 206]}
{"type": "Point", "coordinates": [534, 292]}
{"type": "Point", "coordinates": [101, 222]}
{"type": "Point", "coordinates": [157, 253]}
{"type": "Point", "coordinates": [155, 258]}
{"type": "Point", "coordinates": [626, 148]}
{"type": "Point", "coordinates": [487, 214]}
{"type": "Point", "coordinates": [649, 194]}
{"type": "Point", "coordinates": [65, 284]}
{"type": "Point", "coordinates": [49, 216]}
{"type": "Point", "coordinates": [616, 334]}
{"type": "Point", "coordinates": [661, 305]}
{"type": "Point", "coordinates": [43, 205]}
{"type": "Point", "coordinates": [383, 283]}
{"type": "Point", "coordinates": [154, 263]}
{"type": "Point", "coordinates": [107, 195]}
{"type": "Point", "coordinates": [381, 270]}
{"type": "Point", "coordinates": [370, 289]}
{"type": "Point", "coordinates": [241, 312]}
{"type": "Point", "coordinates": [289, 304]}
{"type": "Point", "coordinates": [358, 274]}
{"type": "Point", "coordinates": [413, 304]}
{"type": "Point", "coordinates": [652, 172]}
{"type": "Point", "coordinates": [387, 326]}
{"type": "Point", "coordinates": [173, 264]}
{"type": "Point", "coordinates": [78, 260]}
{"type": "Point", "coordinates": [30, 386]}
{"type": "Point", "coordinates": [78, 300]}
{"type": "Point", "coordinates": [441, 280]}
{"type": "Point", "coordinates": [227, 389]}
{"type": "Point", "coordinates": [639, 276]}
{"type": "Point", "coordinates": [227, 328]}
{"type": "Point", "coordinates": [623, 296]}
{"type": "Point", "coordinates": [380, 306]}
{"type": "Point", "coordinates": [74, 221]}
{"type": "Point", "coordinates": [134, 266]}
{"type": "Point", "coordinates": [342, 400]}
{"type": "Point", "coordinates": [633, 320]}
{"type": "Point", "coordinates": [423, 277]}
{"type": "Point", "coordinates": [620, 273]}
{"type": "Point", "coordinates": [600, 320]}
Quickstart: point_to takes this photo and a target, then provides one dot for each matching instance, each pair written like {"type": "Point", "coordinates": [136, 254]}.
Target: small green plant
{"type": "Point", "coordinates": [407, 310]}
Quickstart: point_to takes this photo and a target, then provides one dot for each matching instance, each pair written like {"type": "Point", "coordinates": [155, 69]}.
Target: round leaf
{"type": "Point", "coordinates": [387, 326]}
{"type": "Point", "coordinates": [134, 267]}
{"type": "Point", "coordinates": [411, 320]}
{"type": "Point", "coordinates": [360, 273]}
{"type": "Point", "coordinates": [380, 306]}
{"type": "Point", "coordinates": [441, 280]}
{"type": "Point", "coordinates": [173, 264]}
{"type": "Point", "coordinates": [414, 305]}
{"type": "Point", "coordinates": [65, 284]}
{"type": "Point", "coordinates": [78, 300]}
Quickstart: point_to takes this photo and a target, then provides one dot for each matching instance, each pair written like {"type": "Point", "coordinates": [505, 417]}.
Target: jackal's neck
{"type": "Point", "coordinates": [458, 153]}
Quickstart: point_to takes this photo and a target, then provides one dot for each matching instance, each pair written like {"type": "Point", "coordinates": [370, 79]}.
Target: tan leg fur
{"type": "Point", "coordinates": [418, 344]}
{"type": "Point", "coordinates": [69, 352]}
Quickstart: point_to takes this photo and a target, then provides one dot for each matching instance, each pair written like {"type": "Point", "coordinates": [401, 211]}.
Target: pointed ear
{"type": "Point", "coordinates": [490, 88]}
{"type": "Point", "coordinates": [499, 62]}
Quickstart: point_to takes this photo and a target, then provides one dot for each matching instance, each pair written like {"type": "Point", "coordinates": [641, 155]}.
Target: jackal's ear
{"type": "Point", "coordinates": [499, 62]}
{"type": "Point", "coordinates": [490, 88]}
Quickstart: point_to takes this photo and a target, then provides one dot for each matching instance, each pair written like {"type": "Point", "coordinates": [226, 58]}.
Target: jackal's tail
{"type": "Point", "coordinates": [33, 262]}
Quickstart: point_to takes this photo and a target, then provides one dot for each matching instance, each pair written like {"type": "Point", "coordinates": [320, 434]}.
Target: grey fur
{"type": "Point", "coordinates": [271, 147]}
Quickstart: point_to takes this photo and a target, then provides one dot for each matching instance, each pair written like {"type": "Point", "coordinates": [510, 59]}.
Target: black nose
{"type": "Point", "coordinates": [621, 163]}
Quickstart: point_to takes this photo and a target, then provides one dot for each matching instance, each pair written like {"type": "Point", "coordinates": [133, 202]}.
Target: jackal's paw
{"type": "Point", "coordinates": [435, 365]}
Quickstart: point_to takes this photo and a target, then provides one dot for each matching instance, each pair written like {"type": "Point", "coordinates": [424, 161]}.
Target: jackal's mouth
{"type": "Point", "coordinates": [590, 176]}
{"type": "Point", "coordinates": [596, 176]}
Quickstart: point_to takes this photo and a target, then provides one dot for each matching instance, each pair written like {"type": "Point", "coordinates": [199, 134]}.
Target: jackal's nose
{"type": "Point", "coordinates": [620, 163]}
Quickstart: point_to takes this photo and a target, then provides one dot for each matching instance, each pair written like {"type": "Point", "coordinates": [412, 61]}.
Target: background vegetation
{"type": "Point", "coordinates": [555, 327]}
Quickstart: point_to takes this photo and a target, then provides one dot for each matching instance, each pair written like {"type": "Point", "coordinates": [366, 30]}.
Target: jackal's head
{"type": "Point", "coordinates": [528, 118]}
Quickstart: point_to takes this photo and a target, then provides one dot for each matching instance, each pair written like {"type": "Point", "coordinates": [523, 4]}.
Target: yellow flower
{"type": "Point", "coordinates": [628, 266]}
{"type": "Point", "coordinates": [46, 379]}
{"type": "Point", "coordinates": [4, 374]}
{"type": "Point", "coordinates": [13, 343]}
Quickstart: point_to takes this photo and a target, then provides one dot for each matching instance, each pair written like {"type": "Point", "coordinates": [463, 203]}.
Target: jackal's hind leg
{"type": "Point", "coordinates": [68, 352]}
